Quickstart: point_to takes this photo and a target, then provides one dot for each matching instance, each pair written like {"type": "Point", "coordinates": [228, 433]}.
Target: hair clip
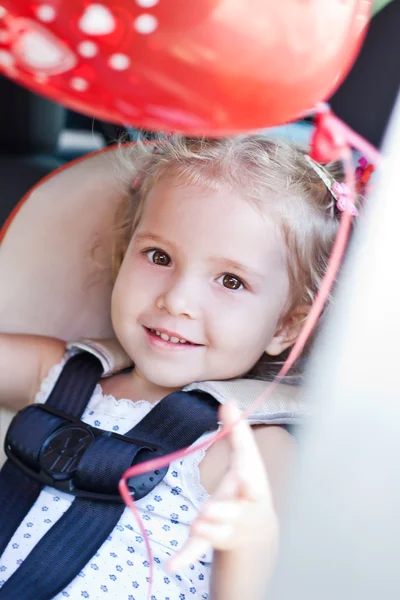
{"type": "Point", "coordinates": [339, 191]}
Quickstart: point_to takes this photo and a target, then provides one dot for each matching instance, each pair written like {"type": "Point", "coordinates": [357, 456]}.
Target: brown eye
{"type": "Point", "coordinates": [158, 257]}
{"type": "Point", "coordinates": [231, 282]}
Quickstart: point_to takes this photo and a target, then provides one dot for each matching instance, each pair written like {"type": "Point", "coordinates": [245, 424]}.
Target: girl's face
{"type": "Point", "coordinates": [202, 287]}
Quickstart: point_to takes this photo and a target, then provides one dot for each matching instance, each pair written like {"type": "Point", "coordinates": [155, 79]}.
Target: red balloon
{"type": "Point", "coordinates": [212, 67]}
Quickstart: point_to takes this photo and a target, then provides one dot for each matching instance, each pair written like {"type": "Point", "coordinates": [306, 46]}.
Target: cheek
{"type": "Point", "coordinates": [137, 285]}
{"type": "Point", "coordinates": [245, 328]}
{"type": "Point", "coordinates": [238, 347]}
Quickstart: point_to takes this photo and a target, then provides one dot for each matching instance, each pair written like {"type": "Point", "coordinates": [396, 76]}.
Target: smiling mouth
{"type": "Point", "coordinates": [170, 338]}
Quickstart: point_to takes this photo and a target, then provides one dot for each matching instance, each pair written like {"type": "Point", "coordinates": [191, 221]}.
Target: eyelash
{"type": "Point", "coordinates": [242, 284]}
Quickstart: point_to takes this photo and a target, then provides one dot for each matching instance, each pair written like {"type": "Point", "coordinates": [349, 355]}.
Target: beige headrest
{"type": "Point", "coordinates": [55, 256]}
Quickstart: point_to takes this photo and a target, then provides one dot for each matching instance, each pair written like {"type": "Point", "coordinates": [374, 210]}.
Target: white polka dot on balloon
{"type": "Point", "coordinates": [6, 59]}
{"type": "Point", "coordinates": [40, 51]}
{"type": "Point", "coordinates": [147, 3]}
{"type": "Point", "coordinates": [97, 20]}
{"type": "Point", "coordinates": [79, 84]}
{"type": "Point", "coordinates": [119, 62]}
{"type": "Point", "coordinates": [87, 49]}
{"type": "Point", "coordinates": [146, 24]}
{"type": "Point", "coordinates": [46, 13]}
{"type": "Point", "coordinates": [3, 12]}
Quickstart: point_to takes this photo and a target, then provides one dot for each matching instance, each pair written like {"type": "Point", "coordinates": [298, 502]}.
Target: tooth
{"type": "Point", "coordinates": [157, 332]}
{"type": "Point", "coordinates": [174, 340]}
{"type": "Point", "coordinates": [164, 336]}
{"type": "Point", "coordinates": [182, 341]}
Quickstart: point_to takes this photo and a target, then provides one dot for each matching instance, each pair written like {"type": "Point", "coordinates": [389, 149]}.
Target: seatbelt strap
{"type": "Point", "coordinates": [175, 422]}
{"type": "Point", "coordinates": [71, 393]}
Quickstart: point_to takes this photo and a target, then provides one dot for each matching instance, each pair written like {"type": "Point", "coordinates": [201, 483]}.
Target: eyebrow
{"type": "Point", "coordinates": [153, 237]}
{"type": "Point", "coordinates": [233, 265]}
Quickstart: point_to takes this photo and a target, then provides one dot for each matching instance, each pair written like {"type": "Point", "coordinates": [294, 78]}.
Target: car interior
{"type": "Point", "coordinates": [38, 136]}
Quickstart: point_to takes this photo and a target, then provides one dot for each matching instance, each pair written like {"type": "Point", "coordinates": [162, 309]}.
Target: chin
{"type": "Point", "coordinates": [165, 380]}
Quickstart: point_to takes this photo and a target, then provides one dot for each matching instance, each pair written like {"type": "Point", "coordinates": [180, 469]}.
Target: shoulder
{"type": "Point", "coordinates": [52, 358]}
{"type": "Point", "coordinates": [273, 437]}
{"type": "Point", "coordinates": [278, 451]}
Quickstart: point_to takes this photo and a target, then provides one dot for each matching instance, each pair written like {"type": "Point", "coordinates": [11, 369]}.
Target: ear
{"type": "Point", "coordinates": [288, 331]}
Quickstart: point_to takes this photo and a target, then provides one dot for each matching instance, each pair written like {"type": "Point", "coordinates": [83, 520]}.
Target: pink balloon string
{"type": "Point", "coordinates": [344, 138]}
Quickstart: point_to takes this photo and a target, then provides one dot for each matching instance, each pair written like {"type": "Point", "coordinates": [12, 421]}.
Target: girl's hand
{"type": "Point", "coordinates": [231, 518]}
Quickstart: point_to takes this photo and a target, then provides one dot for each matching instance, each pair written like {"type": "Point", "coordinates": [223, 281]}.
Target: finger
{"type": "Point", "coordinates": [252, 490]}
{"type": "Point", "coordinates": [228, 487]}
{"type": "Point", "coordinates": [246, 461]}
{"type": "Point", "coordinates": [218, 535]}
{"type": "Point", "coordinates": [191, 552]}
{"type": "Point", "coordinates": [241, 437]}
{"type": "Point", "coordinates": [221, 511]}
{"type": "Point", "coordinates": [244, 448]}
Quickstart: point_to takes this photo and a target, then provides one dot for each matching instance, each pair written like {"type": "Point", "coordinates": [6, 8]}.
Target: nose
{"type": "Point", "coordinates": [181, 297]}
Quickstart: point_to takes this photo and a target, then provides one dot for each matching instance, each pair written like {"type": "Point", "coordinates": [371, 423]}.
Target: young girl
{"type": "Point", "coordinates": [220, 247]}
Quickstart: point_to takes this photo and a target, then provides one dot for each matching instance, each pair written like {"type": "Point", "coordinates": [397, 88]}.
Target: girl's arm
{"type": "Point", "coordinates": [240, 520]}
{"type": "Point", "coordinates": [244, 570]}
{"type": "Point", "coordinates": [24, 361]}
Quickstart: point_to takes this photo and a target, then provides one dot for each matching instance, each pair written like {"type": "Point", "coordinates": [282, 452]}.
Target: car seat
{"type": "Point", "coordinates": [58, 236]}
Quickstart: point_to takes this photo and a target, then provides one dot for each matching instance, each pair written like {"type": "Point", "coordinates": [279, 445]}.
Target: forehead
{"type": "Point", "coordinates": [221, 222]}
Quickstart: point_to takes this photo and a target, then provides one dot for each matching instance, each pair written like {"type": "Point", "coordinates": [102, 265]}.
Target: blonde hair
{"type": "Point", "coordinates": [268, 171]}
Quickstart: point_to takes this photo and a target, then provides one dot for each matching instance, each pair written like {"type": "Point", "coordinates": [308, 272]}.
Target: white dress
{"type": "Point", "coordinates": [120, 568]}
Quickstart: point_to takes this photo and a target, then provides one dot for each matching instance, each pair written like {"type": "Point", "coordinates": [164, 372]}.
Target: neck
{"type": "Point", "coordinates": [139, 388]}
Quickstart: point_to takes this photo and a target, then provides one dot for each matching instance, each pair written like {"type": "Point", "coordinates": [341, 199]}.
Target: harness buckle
{"type": "Point", "coordinates": [60, 452]}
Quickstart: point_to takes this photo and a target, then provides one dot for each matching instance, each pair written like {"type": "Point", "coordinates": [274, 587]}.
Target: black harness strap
{"type": "Point", "coordinates": [75, 385]}
{"type": "Point", "coordinates": [175, 422]}
{"type": "Point", "coordinates": [18, 492]}
{"type": "Point", "coordinates": [64, 551]}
